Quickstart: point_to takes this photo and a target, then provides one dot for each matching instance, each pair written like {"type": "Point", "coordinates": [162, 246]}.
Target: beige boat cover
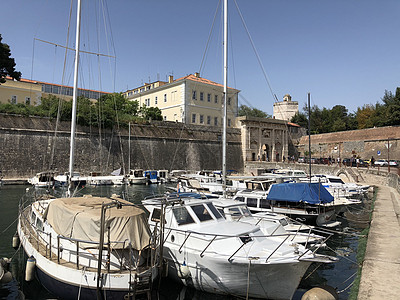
{"type": "Point", "coordinates": [79, 218]}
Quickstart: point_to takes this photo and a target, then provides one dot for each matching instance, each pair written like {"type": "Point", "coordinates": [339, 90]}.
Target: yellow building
{"type": "Point", "coordinates": [30, 92]}
{"type": "Point", "coordinates": [190, 99]}
{"type": "Point", "coordinates": [24, 91]}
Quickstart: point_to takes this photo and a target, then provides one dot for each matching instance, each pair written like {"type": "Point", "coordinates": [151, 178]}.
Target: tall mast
{"type": "Point", "coordinates": [75, 94]}
{"type": "Point", "coordinates": [309, 136]}
{"type": "Point", "coordinates": [225, 96]}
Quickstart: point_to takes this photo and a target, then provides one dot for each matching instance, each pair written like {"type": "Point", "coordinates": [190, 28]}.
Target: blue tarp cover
{"type": "Point", "coordinates": [313, 193]}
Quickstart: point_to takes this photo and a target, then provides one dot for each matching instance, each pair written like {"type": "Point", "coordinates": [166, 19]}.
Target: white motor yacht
{"type": "Point", "coordinates": [210, 253]}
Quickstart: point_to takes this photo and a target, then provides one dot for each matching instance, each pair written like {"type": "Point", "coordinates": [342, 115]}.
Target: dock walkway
{"type": "Point", "coordinates": [380, 278]}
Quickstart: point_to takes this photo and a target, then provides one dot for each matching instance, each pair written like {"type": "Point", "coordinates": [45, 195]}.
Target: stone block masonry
{"type": "Point", "coordinates": [382, 142]}
{"type": "Point", "coordinates": [29, 144]}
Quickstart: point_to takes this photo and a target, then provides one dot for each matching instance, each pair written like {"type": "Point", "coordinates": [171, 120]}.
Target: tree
{"type": "Point", "coordinates": [365, 116]}
{"type": "Point", "coordinates": [152, 113]}
{"type": "Point", "coordinates": [7, 63]}
{"type": "Point", "coordinates": [251, 112]}
{"type": "Point", "coordinates": [300, 119]}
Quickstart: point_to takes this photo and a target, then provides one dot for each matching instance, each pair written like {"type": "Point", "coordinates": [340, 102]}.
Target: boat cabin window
{"type": "Point", "coordinates": [214, 211]}
{"type": "Point", "coordinates": [39, 224]}
{"type": "Point", "coordinates": [221, 211]}
{"type": "Point", "coordinates": [234, 212]}
{"type": "Point", "coordinates": [264, 203]}
{"type": "Point", "coordinates": [33, 218]}
{"type": "Point", "coordinates": [252, 202]}
{"type": "Point", "coordinates": [156, 215]}
{"type": "Point", "coordinates": [182, 215]}
{"type": "Point", "coordinates": [201, 212]}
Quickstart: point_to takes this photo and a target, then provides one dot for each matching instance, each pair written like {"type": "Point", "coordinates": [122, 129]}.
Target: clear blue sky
{"type": "Point", "coordinates": [343, 52]}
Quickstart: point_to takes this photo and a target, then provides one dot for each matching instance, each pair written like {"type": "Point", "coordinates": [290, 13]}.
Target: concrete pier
{"type": "Point", "coordinates": [380, 277]}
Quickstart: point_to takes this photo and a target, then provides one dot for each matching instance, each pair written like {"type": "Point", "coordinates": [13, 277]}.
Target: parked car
{"type": "Point", "coordinates": [349, 162]}
{"type": "Point", "coordinates": [381, 163]}
{"type": "Point", "coordinates": [301, 160]}
{"type": "Point", "coordinates": [393, 163]}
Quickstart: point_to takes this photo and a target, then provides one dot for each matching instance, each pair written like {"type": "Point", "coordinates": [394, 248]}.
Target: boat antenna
{"type": "Point", "coordinates": [225, 96]}
{"type": "Point", "coordinates": [74, 98]}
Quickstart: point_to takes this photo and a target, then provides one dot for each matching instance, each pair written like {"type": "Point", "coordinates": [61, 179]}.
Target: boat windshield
{"type": "Point", "coordinates": [201, 212]}
{"type": "Point", "coordinates": [182, 215]}
{"type": "Point", "coordinates": [214, 211]}
{"type": "Point", "coordinates": [336, 180]}
{"type": "Point", "coordinates": [234, 212]}
{"type": "Point", "coordinates": [245, 211]}
{"type": "Point", "coordinates": [283, 222]}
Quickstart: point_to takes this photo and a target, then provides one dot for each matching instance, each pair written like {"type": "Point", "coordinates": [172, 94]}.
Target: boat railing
{"type": "Point", "coordinates": [214, 237]}
{"type": "Point", "coordinates": [44, 239]}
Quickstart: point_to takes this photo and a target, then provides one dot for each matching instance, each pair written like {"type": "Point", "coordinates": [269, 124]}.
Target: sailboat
{"type": "Point", "coordinates": [87, 247]}
{"type": "Point", "coordinates": [206, 251]}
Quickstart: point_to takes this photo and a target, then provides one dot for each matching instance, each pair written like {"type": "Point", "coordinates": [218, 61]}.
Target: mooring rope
{"type": "Point", "coordinates": [351, 283]}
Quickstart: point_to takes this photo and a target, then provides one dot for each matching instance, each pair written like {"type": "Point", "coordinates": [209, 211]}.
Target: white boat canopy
{"type": "Point", "coordinates": [79, 218]}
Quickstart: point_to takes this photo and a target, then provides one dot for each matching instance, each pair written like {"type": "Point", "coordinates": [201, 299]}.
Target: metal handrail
{"type": "Point", "coordinates": [202, 252]}
{"type": "Point", "coordinates": [180, 248]}
{"type": "Point", "coordinates": [277, 249]}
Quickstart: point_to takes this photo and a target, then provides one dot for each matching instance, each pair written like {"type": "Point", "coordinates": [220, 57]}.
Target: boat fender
{"type": "Point", "coordinates": [15, 241]}
{"type": "Point", "coordinates": [324, 292]}
{"type": "Point", "coordinates": [184, 271]}
{"type": "Point", "coordinates": [30, 269]}
{"type": "Point", "coordinates": [6, 277]}
{"type": "Point", "coordinates": [5, 262]}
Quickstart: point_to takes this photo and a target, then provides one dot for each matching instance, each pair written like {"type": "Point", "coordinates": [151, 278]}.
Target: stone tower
{"type": "Point", "coordinates": [286, 109]}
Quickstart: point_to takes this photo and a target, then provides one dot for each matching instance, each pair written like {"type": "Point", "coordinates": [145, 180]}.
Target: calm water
{"type": "Point", "coordinates": [343, 246]}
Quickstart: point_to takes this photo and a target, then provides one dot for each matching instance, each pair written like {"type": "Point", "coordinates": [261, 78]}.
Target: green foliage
{"type": "Point", "coordinates": [106, 112]}
{"type": "Point", "coordinates": [251, 112]}
{"type": "Point", "coordinates": [326, 120]}
{"type": "Point", "coordinates": [7, 63]}
{"type": "Point", "coordinates": [153, 113]}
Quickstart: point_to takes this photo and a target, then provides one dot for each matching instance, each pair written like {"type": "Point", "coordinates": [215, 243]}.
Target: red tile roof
{"type": "Point", "coordinates": [199, 79]}
{"type": "Point", "coordinates": [293, 124]}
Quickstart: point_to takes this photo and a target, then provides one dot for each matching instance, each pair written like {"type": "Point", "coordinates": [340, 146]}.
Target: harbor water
{"type": "Point", "coordinates": [340, 275]}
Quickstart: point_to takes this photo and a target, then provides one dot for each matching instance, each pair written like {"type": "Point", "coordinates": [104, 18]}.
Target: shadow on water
{"type": "Point", "coordinates": [343, 246]}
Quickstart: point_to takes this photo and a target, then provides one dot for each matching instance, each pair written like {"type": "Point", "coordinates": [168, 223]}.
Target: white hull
{"type": "Point", "coordinates": [215, 274]}
{"type": "Point", "coordinates": [55, 274]}
{"type": "Point", "coordinates": [137, 180]}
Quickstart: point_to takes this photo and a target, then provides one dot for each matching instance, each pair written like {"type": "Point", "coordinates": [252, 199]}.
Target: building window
{"type": "Point", "coordinates": [165, 97]}
{"type": "Point", "coordinates": [155, 101]}
{"type": "Point", "coordinates": [28, 100]}
{"type": "Point", "coordinates": [201, 119]}
{"type": "Point", "coordinates": [193, 118]}
{"type": "Point", "coordinates": [194, 95]}
{"type": "Point", "coordinates": [216, 98]}
{"type": "Point", "coordinates": [208, 97]}
{"type": "Point", "coordinates": [229, 101]}
{"type": "Point", "coordinates": [165, 118]}
{"type": "Point", "coordinates": [208, 120]}
{"type": "Point", "coordinates": [216, 121]}
{"type": "Point", "coordinates": [13, 99]}
{"type": "Point", "coordinates": [229, 122]}
{"type": "Point", "coordinates": [201, 96]}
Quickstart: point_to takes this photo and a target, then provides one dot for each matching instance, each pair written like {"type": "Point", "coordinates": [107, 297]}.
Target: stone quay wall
{"type": "Point", "coordinates": [381, 143]}
{"type": "Point", "coordinates": [30, 145]}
